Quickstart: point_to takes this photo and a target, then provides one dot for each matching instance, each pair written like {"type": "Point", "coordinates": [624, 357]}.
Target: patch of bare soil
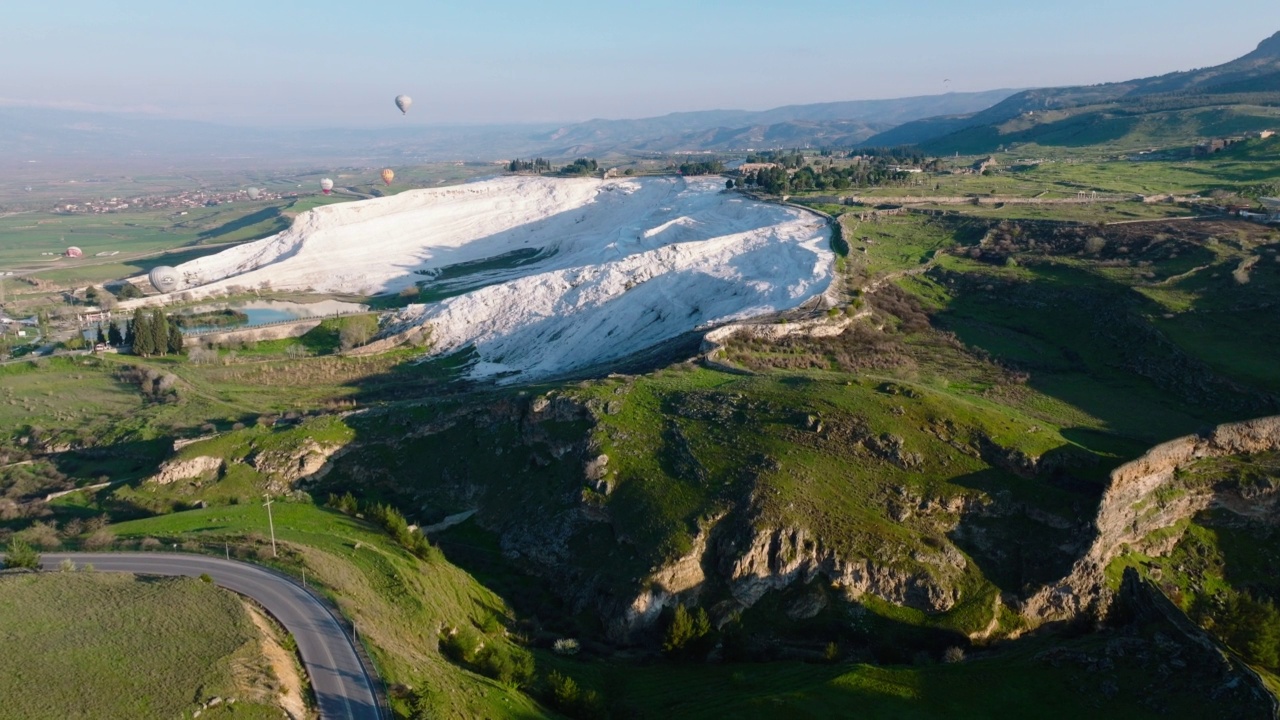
{"type": "Point", "coordinates": [289, 689]}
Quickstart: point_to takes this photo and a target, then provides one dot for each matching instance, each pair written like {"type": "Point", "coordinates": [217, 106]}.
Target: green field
{"type": "Point", "coordinates": [84, 644]}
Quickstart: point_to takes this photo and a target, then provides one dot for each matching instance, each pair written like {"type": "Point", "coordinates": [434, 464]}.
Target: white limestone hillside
{"type": "Point", "coordinates": [543, 275]}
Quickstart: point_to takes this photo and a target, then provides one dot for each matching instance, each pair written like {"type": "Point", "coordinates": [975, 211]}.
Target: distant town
{"type": "Point", "coordinates": [181, 201]}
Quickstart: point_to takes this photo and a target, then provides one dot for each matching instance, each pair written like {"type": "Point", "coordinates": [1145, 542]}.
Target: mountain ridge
{"type": "Point", "coordinates": [1259, 66]}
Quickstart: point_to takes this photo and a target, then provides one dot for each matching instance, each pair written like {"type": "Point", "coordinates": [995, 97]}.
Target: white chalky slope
{"type": "Point", "coordinates": [547, 275]}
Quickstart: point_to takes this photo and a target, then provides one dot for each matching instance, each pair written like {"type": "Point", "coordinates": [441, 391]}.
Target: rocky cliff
{"type": "Point", "coordinates": [1145, 495]}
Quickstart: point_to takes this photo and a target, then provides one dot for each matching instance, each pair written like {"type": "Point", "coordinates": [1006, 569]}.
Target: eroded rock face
{"type": "Point", "coordinates": [175, 470]}
{"type": "Point", "coordinates": [284, 468]}
{"type": "Point", "coordinates": [1129, 513]}
{"type": "Point", "coordinates": [777, 558]}
{"type": "Point", "coordinates": [685, 577]}
{"type": "Point", "coordinates": [764, 559]}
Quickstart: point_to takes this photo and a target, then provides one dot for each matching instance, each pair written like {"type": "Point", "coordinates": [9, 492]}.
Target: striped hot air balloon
{"type": "Point", "coordinates": [326, 185]}
{"type": "Point", "coordinates": [388, 175]}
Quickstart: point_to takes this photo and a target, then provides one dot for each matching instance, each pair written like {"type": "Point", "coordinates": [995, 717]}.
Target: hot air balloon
{"type": "Point", "coordinates": [403, 102]}
{"type": "Point", "coordinates": [163, 278]}
{"type": "Point", "coordinates": [388, 175]}
{"type": "Point", "coordinates": [254, 193]}
{"type": "Point", "coordinates": [326, 185]}
{"type": "Point", "coordinates": [74, 252]}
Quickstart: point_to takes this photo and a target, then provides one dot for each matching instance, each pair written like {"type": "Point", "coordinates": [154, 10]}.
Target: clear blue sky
{"type": "Point", "coordinates": [467, 61]}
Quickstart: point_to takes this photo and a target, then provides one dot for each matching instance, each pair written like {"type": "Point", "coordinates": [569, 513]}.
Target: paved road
{"type": "Point", "coordinates": [343, 687]}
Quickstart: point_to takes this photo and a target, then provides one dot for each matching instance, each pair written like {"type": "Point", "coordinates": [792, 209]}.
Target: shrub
{"type": "Point", "coordinates": [566, 646]}
{"type": "Point", "coordinates": [510, 666]}
{"type": "Point", "coordinates": [41, 535]}
{"type": "Point", "coordinates": [99, 539]}
{"type": "Point", "coordinates": [688, 635]}
{"type": "Point", "coordinates": [563, 691]}
{"type": "Point", "coordinates": [831, 653]}
{"type": "Point", "coordinates": [953, 654]}
{"type": "Point", "coordinates": [461, 645]}
{"type": "Point", "coordinates": [21, 555]}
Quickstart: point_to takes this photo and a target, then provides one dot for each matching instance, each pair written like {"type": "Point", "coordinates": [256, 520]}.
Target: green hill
{"type": "Point", "coordinates": [1253, 74]}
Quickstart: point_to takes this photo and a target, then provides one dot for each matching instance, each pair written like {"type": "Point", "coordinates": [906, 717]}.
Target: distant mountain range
{"type": "Point", "coordinates": [35, 133]}
{"type": "Point", "coordinates": [837, 123]}
{"type": "Point", "coordinates": [1243, 81]}
{"type": "Point", "coordinates": [1235, 96]}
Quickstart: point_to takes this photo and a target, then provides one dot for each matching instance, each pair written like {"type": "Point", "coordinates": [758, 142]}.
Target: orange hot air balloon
{"type": "Point", "coordinates": [388, 175]}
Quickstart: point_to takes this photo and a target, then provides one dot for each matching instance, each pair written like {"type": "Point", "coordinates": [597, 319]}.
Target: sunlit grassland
{"type": "Point", "coordinates": [107, 645]}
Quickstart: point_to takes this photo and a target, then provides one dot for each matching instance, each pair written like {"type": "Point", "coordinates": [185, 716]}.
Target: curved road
{"type": "Point", "coordinates": [343, 687]}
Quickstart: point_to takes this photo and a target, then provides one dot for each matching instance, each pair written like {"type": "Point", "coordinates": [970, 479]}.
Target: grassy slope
{"type": "Point", "coordinates": [1017, 683]}
{"type": "Point", "coordinates": [398, 603]}
{"type": "Point", "coordinates": [112, 646]}
{"type": "Point", "coordinates": [1108, 130]}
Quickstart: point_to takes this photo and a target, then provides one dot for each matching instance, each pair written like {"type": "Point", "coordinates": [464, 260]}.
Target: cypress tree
{"type": "Point", "coordinates": [102, 336]}
{"type": "Point", "coordinates": [159, 332]}
{"type": "Point", "coordinates": [143, 340]}
{"type": "Point", "coordinates": [114, 338]}
{"type": "Point", "coordinates": [175, 339]}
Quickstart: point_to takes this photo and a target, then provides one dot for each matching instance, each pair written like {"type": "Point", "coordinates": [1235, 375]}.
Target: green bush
{"type": "Point", "coordinates": [562, 690]}
{"type": "Point", "coordinates": [1251, 627]}
{"type": "Point", "coordinates": [512, 667]}
{"type": "Point", "coordinates": [688, 635]}
{"type": "Point", "coordinates": [21, 555]}
{"type": "Point", "coordinates": [462, 645]}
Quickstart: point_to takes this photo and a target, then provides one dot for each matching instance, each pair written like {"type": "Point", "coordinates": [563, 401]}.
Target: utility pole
{"type": "Point", "coordinates": [271, 524]}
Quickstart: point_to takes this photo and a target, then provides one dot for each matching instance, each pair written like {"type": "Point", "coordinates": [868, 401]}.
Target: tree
{"type": "Point", "coordinates": [102, 336]}
{"type": "Point", "coordinates": [21, 555]}
{"type": "Point", "coordinates": [114, 338]}
{"type": "Point", "coordinates": [175, 339]}
{"type": "Point", "coordinates": [140, 336]}
{"type": "Point", "coordinates": [688, 634]}
{"type": "Point", "coordinates": [159, 332]}
{"type": "Point", "coordinates": [357, 330]}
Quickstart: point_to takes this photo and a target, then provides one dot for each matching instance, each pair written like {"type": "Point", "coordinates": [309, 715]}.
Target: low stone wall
{"type": "Point", "coordinates": [279, 331]}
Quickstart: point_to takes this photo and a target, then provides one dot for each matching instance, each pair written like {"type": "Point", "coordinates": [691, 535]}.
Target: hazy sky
{"type": "Point", "coordinates": [467, 61]}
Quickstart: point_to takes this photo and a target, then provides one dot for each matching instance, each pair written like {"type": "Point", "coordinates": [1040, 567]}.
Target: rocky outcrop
{"type": "Point", "coordinates": [187, 469]}
{"type": "Point", "coordinates": [776, 558]}
{"type": "Point", "coordinates": [713, 342]}
{"type": "Point", "coordinates": [764, 559]}
{"type": "Point", "coordinates": [1133, 507]}
{"type": "Point", "coordinates": [684, 576]}
{"type": "Point", "coordinates": [285, 467]}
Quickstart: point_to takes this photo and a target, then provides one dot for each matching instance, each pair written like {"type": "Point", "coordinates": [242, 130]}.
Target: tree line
{"type": "Point", "coordinates": [702, 167]}
{"type": "Point", "coordinates": [581, 166]}
{"type": "Point", "coordinates": [534, 165]}
{"type": "Point", "coordinates": [147, 334]}
{"type": "Point", "coordinates": [872, 172]}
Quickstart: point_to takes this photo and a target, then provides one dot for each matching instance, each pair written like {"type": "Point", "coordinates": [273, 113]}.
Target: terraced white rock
{"type": "Point", "coordinates": [541, 275]}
